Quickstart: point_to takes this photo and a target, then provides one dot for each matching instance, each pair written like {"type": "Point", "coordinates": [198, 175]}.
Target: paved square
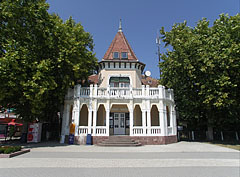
{"type": "Point", "coordinates": [188, 159]}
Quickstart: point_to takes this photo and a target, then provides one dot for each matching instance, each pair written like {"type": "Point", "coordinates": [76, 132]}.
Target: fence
{"type": "Point", "coordinates": [187, 135]}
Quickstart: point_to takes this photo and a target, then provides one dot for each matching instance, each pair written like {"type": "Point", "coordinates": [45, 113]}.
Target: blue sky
{"type": "Point", "coordinates": [141, 19]}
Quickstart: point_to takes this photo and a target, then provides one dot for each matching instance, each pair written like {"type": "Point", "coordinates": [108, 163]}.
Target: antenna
{"type": "Point", "coordinates": [158, 42]}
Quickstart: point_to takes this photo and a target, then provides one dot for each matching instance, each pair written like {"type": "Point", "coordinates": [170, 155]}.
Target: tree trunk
{"type": "Point", "coordinates": [210, 133]}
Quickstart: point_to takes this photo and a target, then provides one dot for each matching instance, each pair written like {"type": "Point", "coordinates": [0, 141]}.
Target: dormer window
{"type": "Point", "coordinates": [115, 55]}
{"type": "Point", "coordinates": [124, 55]}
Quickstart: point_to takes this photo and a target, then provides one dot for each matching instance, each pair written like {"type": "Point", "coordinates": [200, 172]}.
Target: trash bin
{"type": "Point", "coordinates": [89, 139]}
{"type": "Point", "coordinates": [71, 139]}
{"type": "Point", "coordinates": [23, 138]}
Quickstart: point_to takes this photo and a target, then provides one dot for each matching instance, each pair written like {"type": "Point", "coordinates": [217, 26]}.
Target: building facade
{"type": "Point", "coordinates": [121, 101]}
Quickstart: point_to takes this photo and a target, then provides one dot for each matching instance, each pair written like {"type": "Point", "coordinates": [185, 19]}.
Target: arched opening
{"type": "Point", "coordinates": [101, 116]}
{"type": "Point", "coordinates": [137, 115]}
{"type": "Point", "coordinates": [154, 116]}
{"type": "Point", "coordinates": [84, 116]}
{"type": "Point", "coordinates": [168, 116]}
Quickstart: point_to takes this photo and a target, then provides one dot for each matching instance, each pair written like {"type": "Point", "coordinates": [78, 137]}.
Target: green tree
{"type": "Point", "coordinates": [40, 58]}
{"type": "Point", "coordinates": [203, 69]}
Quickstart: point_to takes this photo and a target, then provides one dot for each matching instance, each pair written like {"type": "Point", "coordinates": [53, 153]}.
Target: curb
{"type": "Point", "coordinates": [23, 151]}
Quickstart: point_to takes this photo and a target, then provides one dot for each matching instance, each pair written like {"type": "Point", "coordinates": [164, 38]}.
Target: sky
{"type": "Point", "coordinates": [141, 20]}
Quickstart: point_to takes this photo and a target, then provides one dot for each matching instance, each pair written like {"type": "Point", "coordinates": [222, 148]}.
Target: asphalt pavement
{"type": "Point", "coordinates": [187, 159]}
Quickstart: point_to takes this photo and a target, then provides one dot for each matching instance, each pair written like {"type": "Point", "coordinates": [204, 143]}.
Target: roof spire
{"type": "Point", "coordinates": [120, 25]}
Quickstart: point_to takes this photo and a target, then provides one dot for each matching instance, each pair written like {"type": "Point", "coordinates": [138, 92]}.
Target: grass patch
{"type": "Point", "coordinates": [9, 149]}
{"type": "Point", "coordinates": [232, 145]}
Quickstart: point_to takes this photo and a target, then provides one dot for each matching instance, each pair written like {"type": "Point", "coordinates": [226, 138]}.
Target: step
{"type": "Point", "coordinates": [119, 141]}
{"type": "Point", "coordinates": [120, 145]}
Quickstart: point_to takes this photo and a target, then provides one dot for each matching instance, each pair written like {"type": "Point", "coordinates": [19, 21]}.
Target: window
{"type": "Point", "coordinates": [115, 55]}
{"type": "Point", "coordinates": [124, 55]}
{"type": "Point", "coordinates": [119, 82]}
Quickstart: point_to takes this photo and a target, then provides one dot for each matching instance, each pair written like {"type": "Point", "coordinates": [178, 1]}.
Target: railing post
{"type": "Point", "coordinates": [91, 90]}
{"type": "Point", "coordinates": [78, 90]}
{"type": "Point", "coordinates": [95, 90]}
{"type": "Point", "coordinates": [131, 91]}
{"type": "Point", "coordinates": [143, 90]}
{"type": "Point", "coordinates": [160, 91]}
{"type": "Point", "coordinates": [108, 91]}
{"type": "Point", "coordinates": [147, 90]}
{"type": "Point", "coordinates": [163, 92]}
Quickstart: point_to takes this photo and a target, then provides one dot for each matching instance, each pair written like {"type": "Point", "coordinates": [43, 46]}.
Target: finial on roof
{"type": "Point", "coordinates": [120, 26]}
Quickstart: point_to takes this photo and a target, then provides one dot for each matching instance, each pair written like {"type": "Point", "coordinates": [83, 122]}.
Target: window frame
{"type": "Point", "coordinates": [114, 55]}
{"type": "Point", "coordinates": [122, 55]}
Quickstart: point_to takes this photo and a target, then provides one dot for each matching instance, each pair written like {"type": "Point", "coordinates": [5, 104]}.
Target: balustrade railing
{"type": "Point", "coordinates": [115, 92]}
{"type": "Point", "coordinates": [138, 131]}
{"type": "Point", "coordinates": [101, 131]}
{"type": "Point", "coordinates": [83, 130]}
{"type": "Point", "coordinates": [155, 130]}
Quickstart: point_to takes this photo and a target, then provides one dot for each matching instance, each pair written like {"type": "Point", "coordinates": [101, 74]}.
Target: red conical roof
{"type": "Point", "coordinates": [119, 44]}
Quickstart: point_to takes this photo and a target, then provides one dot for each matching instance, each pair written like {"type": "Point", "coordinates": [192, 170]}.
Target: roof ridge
{"type": "Point", "coordinates": [130, 48]}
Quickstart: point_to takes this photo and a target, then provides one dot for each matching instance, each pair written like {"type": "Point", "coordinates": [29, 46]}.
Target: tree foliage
{"type": "Point", "coordinates": [203, 69]}
{"type": "Point", "coordinates": [40, 57]}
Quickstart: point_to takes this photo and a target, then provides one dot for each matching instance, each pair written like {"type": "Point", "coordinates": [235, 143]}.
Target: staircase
{"type": "Point", "coordinates": [119, 141]}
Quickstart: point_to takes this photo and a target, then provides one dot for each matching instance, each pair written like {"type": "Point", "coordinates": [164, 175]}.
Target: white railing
{"type": "Point", "coordinates": [101, 131]}
{"type": "Point", "coordinates": [101, 92]}
{"type": "Point", "coordinates": [116, 92]}
{"type": "Point", "coordinates": [170, 130]}
{"type": "Point", "coordinates": [83, 130]}
{"type": "Point", "coordinates": [85, 91]}
{"type": "Point", "coordinates": [119, 92]}
{"type": "Point", "coordinates": [137, 92]}
{"type": "Point", "coordinates": [153, 92]}
{"type": "Point", "coordinates": [155, 131]}
{"type": "Point", "coordinates": [138, 131]}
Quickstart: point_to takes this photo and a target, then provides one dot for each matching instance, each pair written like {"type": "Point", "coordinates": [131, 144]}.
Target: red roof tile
{"type": "Point", "coordinates": [119, 44]}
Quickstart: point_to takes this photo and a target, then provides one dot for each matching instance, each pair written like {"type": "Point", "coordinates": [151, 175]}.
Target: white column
{"type": "Point", "coordinates": [131, 121]}
{"type": "Point", "coordinates": [148, 121]}
{"type": "Point", "coordinates": [75, 114]}
{"type": "Point", "coordinates": [94, 121]}
{"type": "Point", "coordinates": [163, 122]}
{"type": "Point", "coordinates": [107, 121]}
{"type": "Point", "coordinates": [173, 119]}
{"type": "Point", "coordinates": [89, 121]}
{"type": "Point", "coordinates": [144, 121]}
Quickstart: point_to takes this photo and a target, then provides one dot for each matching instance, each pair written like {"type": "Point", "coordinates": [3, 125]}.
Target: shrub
{"type": "Point", "coordinates": [10, 149]}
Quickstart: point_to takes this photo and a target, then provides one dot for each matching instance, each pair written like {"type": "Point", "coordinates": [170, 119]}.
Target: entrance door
{"type": "Point", "coordinates": [119, 123]}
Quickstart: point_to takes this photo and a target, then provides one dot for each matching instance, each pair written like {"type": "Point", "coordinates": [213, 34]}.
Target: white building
{"type": "Point", "coordinates": [121, 101]}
